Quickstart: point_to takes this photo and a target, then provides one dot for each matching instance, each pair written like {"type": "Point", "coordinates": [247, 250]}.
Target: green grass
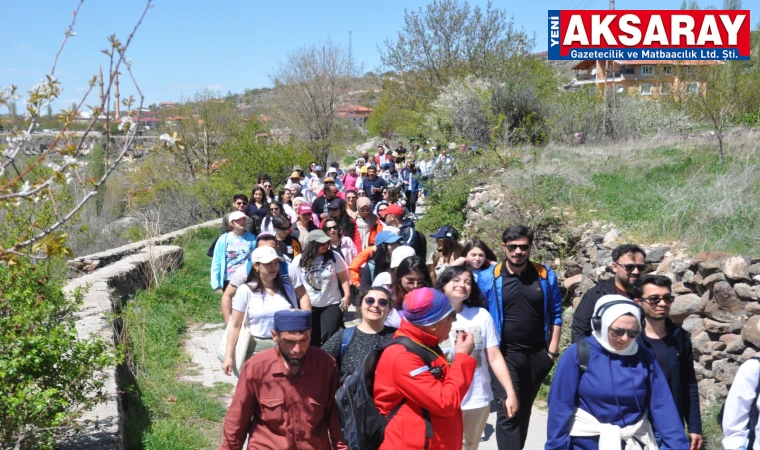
{"type": "Point", "coordinates": [161, 411]}
{"type": "Point", "coordinates": [712, 434]}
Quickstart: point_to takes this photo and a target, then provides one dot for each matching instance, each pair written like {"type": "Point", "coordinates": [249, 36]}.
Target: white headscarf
{"type": "Point", "coordinates": [610, 315]}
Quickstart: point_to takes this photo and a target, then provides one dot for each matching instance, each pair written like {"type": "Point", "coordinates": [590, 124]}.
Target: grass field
{"type": "Point", "coordinates": [163, 412]}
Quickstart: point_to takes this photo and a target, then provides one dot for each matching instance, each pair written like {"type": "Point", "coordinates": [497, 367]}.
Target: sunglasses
{"type": "Point", "coordinates": [620, 332]}
{"type": "Point", "coordinates": [654, 300]}
{"type": "Point", "coordinates": [274, 209]}
{"type": "Point", "coordinates": [381, 302]}
{"type": "Point", "coordinates": [240, 203]}
{"type": "Point", "coordinates": [630, 267]}
{"type": "Point", "coordinates": [523, 247]}
{"type": "Point", "coordinates": [267, 186]}
{"type": "Point", "coordinates": [284, 229]}
{"type": "Point", "coordinates": [331, 228]}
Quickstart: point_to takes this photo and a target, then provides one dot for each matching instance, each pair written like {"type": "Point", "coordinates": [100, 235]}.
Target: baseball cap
{"type": "Point", "coordinates": [317, 236]}
{"type": "Point", "coordinates": [446, 231]}
{"type": "Point", "coordinates": [318, 168]}
{"type": "Point", "coordinates": [426, 306]}
{"type": "Point", "coordinates": [236, 215]}
{"type": "Point", "coordinates": [265, 255]}
{"type": "Point", "coordinates": [394, 209]}
{"type": "Point", "coordinates": [401, 254]}
{"type": "Point", "coordinates": [335, 203]}
{"type": "Point", "coordinates": [332, 170]}
{"type": "Point", "coordinates": [304, 209]}
{"type": "Point", "coordinates": [382, 238]}
{"type": "Point", "coordinates": [395, 154]}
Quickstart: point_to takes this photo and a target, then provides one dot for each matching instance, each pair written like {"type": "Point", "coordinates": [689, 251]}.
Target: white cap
{"type": "Point", "coordinates": [236, 215]}
{"type": "Point", "coordinates": [265, 255]}
{"type": "Point", "coordinates": [400, 254]}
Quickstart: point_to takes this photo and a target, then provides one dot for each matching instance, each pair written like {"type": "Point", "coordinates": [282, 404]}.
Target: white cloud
{"type": "Point", "coordinates": [215, 87]}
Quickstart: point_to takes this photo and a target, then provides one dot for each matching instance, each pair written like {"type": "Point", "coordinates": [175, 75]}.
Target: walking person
{"type": "Point", "coordinates": [287, 243]}
{"type": "Point", "coordinates": [448, 250]}
{"type": "Point", "coordinates": [369, 225]}
{"type": "Point", "coordinates": [257, 300]}
{"type": "Point", "coordinates": [459, 286]}
{"type": "Point", "coordinates": [740, 412]}
{"type": "Point", "coordinates": [477, 256]}
{"type": "Point", "coordinates": [325, 277]}
{"type": "Point", "coordinates": [410, 177]}
{"type": "Point", "coordinates": [431, 393]}
{"type": "Point", "coordinates": [525, 303]}
{"type": "Point", "coordinates": [231, 250]}
{"type": "Point", "coordinates": [342, 245]}
{"type": "Point", "coordinates": [257, 205]}
{"type": "Point", "coordinates": [350, 346]}
{"type": "Point", "coordinates": [411, 274]}
{"type": "Point", "coordinates": [274, 406]}
{"type": "Point", "coordinates": [607, 388]}
{"type": "Point", "coordinates": [672, 349]}
{"type": "Point", "coordinates": [380, 262]}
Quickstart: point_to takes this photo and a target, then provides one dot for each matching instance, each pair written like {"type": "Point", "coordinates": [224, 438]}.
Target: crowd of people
{"type": "Point", "coordinates": [475, 333]}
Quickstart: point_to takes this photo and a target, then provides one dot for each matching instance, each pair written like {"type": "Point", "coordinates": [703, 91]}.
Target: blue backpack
{"type": "Point", "coordinates": [362, 424]}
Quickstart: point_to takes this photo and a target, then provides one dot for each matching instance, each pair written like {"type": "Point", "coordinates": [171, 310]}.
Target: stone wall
{"type": "Point", "coordinates": [717, 294]}
{"type": "Point", "coordinates": [115, 278]}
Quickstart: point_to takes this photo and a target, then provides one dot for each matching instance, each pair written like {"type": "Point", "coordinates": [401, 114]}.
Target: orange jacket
{"type": "Point", "coordinates": [354, 269]}
{"type": "Point", "coordinates": [401, 375]}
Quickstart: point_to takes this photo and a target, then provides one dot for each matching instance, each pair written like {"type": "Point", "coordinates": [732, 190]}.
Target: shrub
{"type": "Point", "coordinates": [46, 372]}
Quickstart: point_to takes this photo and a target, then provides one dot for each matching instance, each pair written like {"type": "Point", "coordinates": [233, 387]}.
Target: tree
{"type": "Point", "coordinates": [732, 4]}
{"type": "Point", "coordinates": [50, 110]}
{"type": "Point", "coordinates": [96, 168]}
{"type": "Point", "coordinates": [309, 86]}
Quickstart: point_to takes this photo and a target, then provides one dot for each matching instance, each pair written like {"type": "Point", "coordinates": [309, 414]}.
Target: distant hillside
{"type": "Point", "coordinates": [562, 68]}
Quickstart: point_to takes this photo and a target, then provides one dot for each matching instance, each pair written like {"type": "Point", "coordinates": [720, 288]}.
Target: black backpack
{"type": "Point", "coordinates": [362, 424]}
{"type": "Point", "coordinates": [754, 413]}
{"type": "Point", "coordinates": [582, 348]}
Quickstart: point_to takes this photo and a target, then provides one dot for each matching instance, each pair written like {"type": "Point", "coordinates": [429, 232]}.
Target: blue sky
{"type": "Point", "coordinates": [187, 45]}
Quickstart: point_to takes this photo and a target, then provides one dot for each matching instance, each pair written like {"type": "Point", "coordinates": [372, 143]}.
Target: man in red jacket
{"type": "Point", "coordinates": [433, 391]}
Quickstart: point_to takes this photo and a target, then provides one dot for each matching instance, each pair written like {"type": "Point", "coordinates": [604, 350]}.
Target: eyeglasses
{"type": "Point", "coordinates": [523, 247]}
{"type": "Point", "coordinates": [418, 282]}
{"type": "Point", "coordinates": [267, 186]}
{"type": "Point", "coordinates": [619, 332]}
{"type": "Point", "coordinates": [381, 302]}
{"type": "Point", "coordinates": [630, 267]}
{"type": "Point", "coordinates": [654, 300]}
{"type": "Point", "coordinates": [351, 197]}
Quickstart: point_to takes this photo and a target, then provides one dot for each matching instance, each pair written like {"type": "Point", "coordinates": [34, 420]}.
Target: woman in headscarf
{"type": "Point", "coordinates": [606, 388]}
{"type": "Point", "coordinates": [369, 225]}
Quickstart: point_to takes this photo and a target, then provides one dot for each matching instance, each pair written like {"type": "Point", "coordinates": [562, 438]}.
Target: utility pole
{"type": "Point", "coordinates": [612, 4]}
{"type": "Point", "coordinates": [350, 57]}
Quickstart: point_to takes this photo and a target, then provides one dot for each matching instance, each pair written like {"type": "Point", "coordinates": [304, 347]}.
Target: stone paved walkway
{"type": "Point", "coordinates": [202, 344]}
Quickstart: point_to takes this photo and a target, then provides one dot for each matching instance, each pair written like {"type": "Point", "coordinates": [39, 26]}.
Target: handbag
{"type": "Point", "coordinates": [241, 346]}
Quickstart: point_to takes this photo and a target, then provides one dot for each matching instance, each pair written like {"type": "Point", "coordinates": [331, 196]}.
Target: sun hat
{"type": "Point", "coordinates": [394, 209]}
{"type": "Point", "coordinates": [295, 174]}
{"type": "Point", "coordinates": [317, 236]}
{"type": "Point", "coordinates": [332, 170]}
{"type": "Point", "coordinates": [236, 215]}
{"type": "Point", "coordinates": [265, 255]}
{"type": "Point", "coordinates": [363, 169]}
{"type": "Point", "coordinates": [446, 231]}
{"type": "Point", "coordinates": [426, 306]}
{"type": "Point", "coordinates": [292, 320]}
{"type": "Point", "coordinates": [329, 180]}
{"type": "Point", "coordinates": [382, 238]}
{"type": "Point", "coordinates": [401, 254]}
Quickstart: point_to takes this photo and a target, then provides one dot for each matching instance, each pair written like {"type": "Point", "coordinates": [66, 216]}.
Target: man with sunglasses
{"type": "Point", "coordinates": [526, 305]}
{"type": "Point", "coordinates": [627, 266]}
{"type": "Point", "coordinates": [671, 345]}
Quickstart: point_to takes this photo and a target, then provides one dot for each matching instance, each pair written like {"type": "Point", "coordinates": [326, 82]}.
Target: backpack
{"type": "Point", "coordinates": [583, 346]}
{"type": "Point", "coordinates": [754, 414]}
{"type": "Point", "coordinates": [347, 335]}
{"type": "Point", "coordinates": [362, 424]}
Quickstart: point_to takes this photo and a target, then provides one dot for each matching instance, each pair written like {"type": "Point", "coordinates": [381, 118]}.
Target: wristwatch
{"type": "Point", "coordinates": [552, 354]}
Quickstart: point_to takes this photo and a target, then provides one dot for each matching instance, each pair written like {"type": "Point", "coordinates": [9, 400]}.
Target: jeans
{"type": "Point", "coordinates": [528, 371]}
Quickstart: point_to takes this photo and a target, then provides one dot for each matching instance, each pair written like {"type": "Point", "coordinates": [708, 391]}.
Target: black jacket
{"type": "Point", "coordinates": [683, 378]}
{"type": "Point", "coordinates": [582, 316]}
{"type": "Point", "coordinates": [413, 238]}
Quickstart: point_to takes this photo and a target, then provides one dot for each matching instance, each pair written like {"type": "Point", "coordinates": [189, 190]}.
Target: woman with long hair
{"type": "Point", "coordinates": [268, 188]}
{"type": "Point", "coordinates": [351, 207]}
{"type": "Point", "coordinates": [336, 210]}
{"type": "Point", "coordinates": [608, 391]}
{"type": "Point", "coordinates": [448, 249]}
{"type": "Point", "coordinates": [263, 294]}
{"type": "Point", "coordinates": [325, 276]}
{"type": "Point", "coordinates": [285, 198]}
{"type": "Point", "coordinates": [257, 205]}
{"type": "Point", "coordinates": [411, 274]}
{"type": "Point", "coordinates": [459, 285]}
{"type": "Point", "coordinates": [342, 245]}
{"type": "Point", "coordinates": [371, 332]}
{"type": "Point", "coordinates": [274, 209]}
{"type": "Point", "coordinates": [477, 256]}
{"type": "Point", "coordinates": [380, 261]}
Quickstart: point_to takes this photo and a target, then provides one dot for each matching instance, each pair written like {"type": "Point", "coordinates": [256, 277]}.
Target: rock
{"type": "Point", "coordinates": [725, 371]}
{"type": "Point", "coordinates": [754, 270]}
{"type": "Point", "coordinates": [756, 278]}
{"type": "Point", "coordinates": [656, 254]}
{"type": "Point", "coordinates": [711, 391]}
{"type": "Point", "coordinates": [736, 268]}
{"type": "Point", "coordinates": [92, 267]}
{"type": "Point", "coordinates": [664, 266]}
{"type": "Point", "coordinates": [752, 308]}
{"type": "Point", "coordinates": [684, 306]}
{"type": "Point", "coordinates": [743, 291]}
{"type": "Point", "coordinates": [572, 283]}
{"type": "Point", "coordinates": [698, 341]}
{"type": "Point", "coordinates": [603, 258]}
{"type": "Point", "coordinates": [680, 288]}
{"type": "Point", "coordinates": [750, 333]}
{"type": "Point", "coordinates": [711, 260]}
{"type": "Point", "coordinates": [693, 324]}
{"type": "Point", "coordinates": [687, 277]}
{"type": "Point", "coordinates": [576, 235]}
{"type": "Point", "coordinates": [710, 281]}
{"type": "Point", "coordinates": [734, 343]}
{"type": "Point", "coordinates": [755, 293]}
{"type": "Point", "coordinates": [598, 238]}
{"type": "Point", "coordinates": [705, 360]}
{"type": "Point", "coordinates": [679, 266]}
{"type": "Point", "coordinates": [724, 305]}
{"type": "Point", "coordinates": [74, 264]}
{"type": "Point", "coordinates": [610, 239]}
{"type": "Point", "coordinates": [713, 326]}
{"type": "Point", "coordinates": [737, 325]}
{"type": "Point", "coordinates": [572, 267]}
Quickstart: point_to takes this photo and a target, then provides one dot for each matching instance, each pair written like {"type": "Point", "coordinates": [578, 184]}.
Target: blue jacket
{"type": "Point", "coordinates": [415, 185]}
{"type": "Point", "coordinates": [683, 379]}
{"type": "Point", "coordinates": [490, 281]}
{"type": "Point", "coordinates": [219, 261]}
{"type": "Point", "coordinates": [616, 390]}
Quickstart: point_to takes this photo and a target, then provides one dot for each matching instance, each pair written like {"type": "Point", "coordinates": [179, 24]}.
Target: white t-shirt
{"type": "Point", "coordinates": [261, 308]}
{"type": "Point", "coordinates": [478, 322]}
{"type": "Point", "coordinates": [321, 279]}
{"type": "Point", "coordinates": [241, 274]}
